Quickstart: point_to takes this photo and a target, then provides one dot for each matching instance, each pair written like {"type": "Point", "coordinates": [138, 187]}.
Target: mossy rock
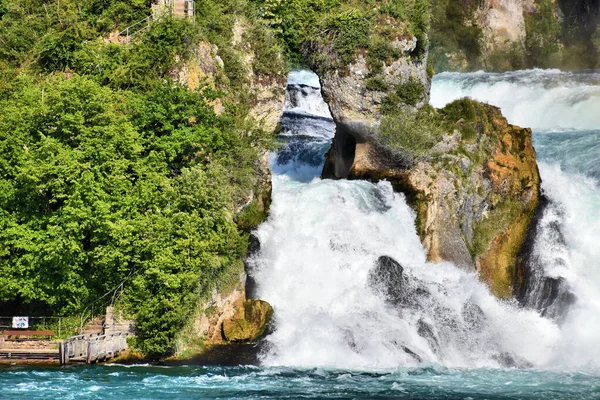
{"type": "Point", "coordinates": [252, 325]}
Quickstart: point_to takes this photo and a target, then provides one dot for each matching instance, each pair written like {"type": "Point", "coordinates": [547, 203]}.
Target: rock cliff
{"type": "Point", "coordinates": [502, 35]}
{"type": "Point", "coordinates": [228, 316]}
{"type": "Point", "coordinates": [471, 177]}
{"type": "Point", "coordinates": [361, 90]}
{"type": "Point", "coordinates": [474, 193]}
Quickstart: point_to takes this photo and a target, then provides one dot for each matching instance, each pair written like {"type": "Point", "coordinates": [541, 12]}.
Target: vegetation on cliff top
{"type": "Point", "coordinates": [342, 29]}
{"type": "Point", "coordinates": [114, 172]}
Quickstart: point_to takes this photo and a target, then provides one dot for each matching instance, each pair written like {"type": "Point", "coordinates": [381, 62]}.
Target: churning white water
{"type": "Point", "coordinates": [339, 303]}
{"type": "Point", "coordinates": [578, 198]}
{"type": "Point", "coordinates": [539, 99]}
{"type": "Point", "coordinates": [563, 109]}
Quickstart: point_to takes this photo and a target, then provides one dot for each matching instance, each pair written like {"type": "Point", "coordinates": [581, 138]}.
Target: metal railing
{"type": "Point", "coordinates": [133, 30]}
{"type": "Point", "coordinates": [187, 10]}
{"type": "Point", "coordinates": [107, 299]}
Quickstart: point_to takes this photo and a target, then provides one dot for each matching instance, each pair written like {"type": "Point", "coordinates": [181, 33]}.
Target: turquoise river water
{"type": "Point", "coordinates": [336, 338]}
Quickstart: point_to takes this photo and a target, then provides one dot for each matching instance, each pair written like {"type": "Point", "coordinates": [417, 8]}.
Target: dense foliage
{"type": "Point", "coordinates": [113, 172]}
{"type": "Point", "coordinates": [341, 28]}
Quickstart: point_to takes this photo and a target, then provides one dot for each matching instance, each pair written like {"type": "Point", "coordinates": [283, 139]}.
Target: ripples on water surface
{"type": "Point", "coordinates": [563, 110]}
{"type": "Point", "coordinates": [147, 382]}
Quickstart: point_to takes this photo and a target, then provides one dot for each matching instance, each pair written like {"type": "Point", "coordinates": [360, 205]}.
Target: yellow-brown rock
{"type": "Point", "coordinates": [474, 196]}
{"type": "Point", "coordinates": [250, 324]}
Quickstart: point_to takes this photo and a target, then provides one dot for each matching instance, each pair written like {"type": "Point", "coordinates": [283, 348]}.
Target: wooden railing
{"type": "Point", "coordinates": [92, 348]}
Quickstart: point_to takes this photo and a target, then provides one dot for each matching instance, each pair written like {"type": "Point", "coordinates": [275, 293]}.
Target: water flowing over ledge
{"type": "Point", "coordinates": [562, 108]}
{"type": "Point", "coordinates": [538, 99]}
{"type": "Point", "coordinates": [319, 248]}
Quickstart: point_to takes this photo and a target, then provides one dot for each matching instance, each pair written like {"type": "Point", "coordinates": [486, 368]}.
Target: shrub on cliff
{"type": "Point", "coordinates": [542, 33]}
{"type": "Point", "coordinates": [454, 29]}
{"type": "Point", "coordinates": [410, 136]}
{"type": "Point", "coordinates": [343, 29]}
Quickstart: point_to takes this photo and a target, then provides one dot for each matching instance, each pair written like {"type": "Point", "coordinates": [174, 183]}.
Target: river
{"type": "Point", "coordinates": [335, 335]}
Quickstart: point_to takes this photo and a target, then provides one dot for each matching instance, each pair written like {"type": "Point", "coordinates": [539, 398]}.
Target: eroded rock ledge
{"type": "Point", "coordinates": [474, 195]}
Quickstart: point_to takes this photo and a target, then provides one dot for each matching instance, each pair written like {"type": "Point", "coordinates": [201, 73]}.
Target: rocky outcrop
{"type": "Point", "coordinates": [249, 325]}
{"type": "Point", "coordinates": [502, 35]}
{"type": "Point", "coordinates": [263, 94]}
{"type": "Point", "coordinates": [474, 194]}
{"type": "Point", "coordinates": [228, 316]}
{"type": "Point", "coordinates": [358, 91]}
{"type": "Point", "coordinates": [225, 318]}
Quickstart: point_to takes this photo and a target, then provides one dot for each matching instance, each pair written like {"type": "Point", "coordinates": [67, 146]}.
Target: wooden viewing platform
{"type": "Point", "coordinates": [99, 340]}
{"type": "Point", "coordinates": [92, 348]}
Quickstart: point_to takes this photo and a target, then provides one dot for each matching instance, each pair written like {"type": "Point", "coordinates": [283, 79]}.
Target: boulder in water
{"type": "Point", "coordinates": [387, 277]}
{"type": "Point", "coordinates": [473, 316]}
{"type": "Point", "coordinates": [250, 326]}
{"type": "Point", "coordinates": [509, 360]}
{"type": "Point", "coordinates": [426, 332]}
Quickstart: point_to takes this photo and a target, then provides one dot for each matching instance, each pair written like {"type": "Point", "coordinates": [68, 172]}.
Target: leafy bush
{"type": "Point", "coordinates": [345, 34]}
{"type": "Point", "coordinates": [409, 135]}
{"type": "Point", "coordinates": [464, 115]}
{"type": "Point", "coordinates": [462, 109]}
{"type": "Point", "coordinates": [410, 93]}
{"type": "Point", "coordinates": [454, 29]}
{"type": "Point", "coordinates": [99, 185]}
{"type": "Point", "coordinates": [267, 52]}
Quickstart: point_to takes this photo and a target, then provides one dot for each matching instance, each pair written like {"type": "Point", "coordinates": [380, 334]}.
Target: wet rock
{"type": "Point", "coordinates": [473, 316]}
{"type": "Point", "coordinates": [509, 360]}
{"type": "Point", "coordinates": [426, 332]}
{"type": "Point", "coordinates": [412, 354]}
{"type": "Point", "coordinates": [551, 296]}
{"type": "Point", "coordinates": [555, 298]}
{"type": "Point", "coordinates": [253, 245]}
{"type": "Point", "coordinates": [387, 278]}
{"type": "Point", "coordinates": [253, 249]}
{"type": "Point", "coordinates": [251, 325]}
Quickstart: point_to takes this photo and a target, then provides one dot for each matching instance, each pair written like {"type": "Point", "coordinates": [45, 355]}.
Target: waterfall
{"type": "Point", "coordinates": [564, 258]}
{"type": "Point", "coordinates": [539, 99]}
{"type": "Point", "coordinates": [345, 271]}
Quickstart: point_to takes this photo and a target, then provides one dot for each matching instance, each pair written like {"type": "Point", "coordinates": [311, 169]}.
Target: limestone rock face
{"type": "Point", "coordinates": [353, 106]}
{"type": "Point", "coordinates": [356, 91]}
{"type": "Point", "coordinates": [249, 325]}
{"type": "Point", "coordinates": [266, 94]}
{"type": "Point", "coordinates": [221, 307]}
{"type": "Point", "coordinates": [228, 316]}
{"type": "Point", "coordinates": [474, 197]}
{"type": "Point", "coordinates": [502, 22]}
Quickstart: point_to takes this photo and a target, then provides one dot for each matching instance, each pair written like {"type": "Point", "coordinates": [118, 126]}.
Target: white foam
{"type": "Point", "coordinates": [320, 242]}
{"type": "Point", "coordinates": [303, 77]}
{"type": "Point", "coordinates": [539, 99]}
